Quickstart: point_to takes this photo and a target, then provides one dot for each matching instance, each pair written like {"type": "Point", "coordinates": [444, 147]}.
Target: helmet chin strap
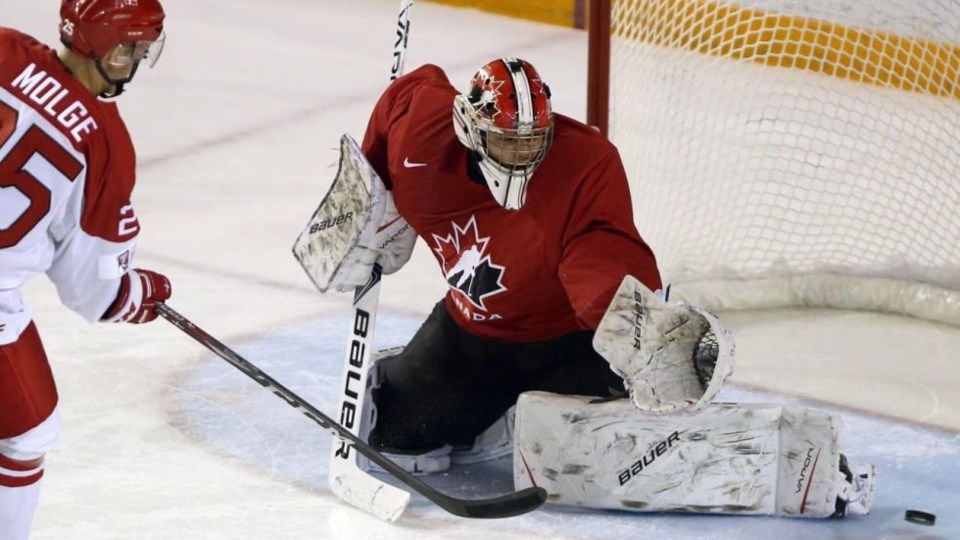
{"type": "Point", "coordinates": [117, 90]}
{"type": "Point", "coordinates": [118, 85]}
{"type": "Point", "coordinates": [473, 167]}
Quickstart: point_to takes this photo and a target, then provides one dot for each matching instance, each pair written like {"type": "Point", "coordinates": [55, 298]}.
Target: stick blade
{"type": "Point", "coordinates": [369, 494]}
{"type": "Point", "coordinates": [509, 505]}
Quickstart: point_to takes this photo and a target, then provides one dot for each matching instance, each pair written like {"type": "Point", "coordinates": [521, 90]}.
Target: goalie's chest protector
{"type": "Point", "coordinates": [501, 266]}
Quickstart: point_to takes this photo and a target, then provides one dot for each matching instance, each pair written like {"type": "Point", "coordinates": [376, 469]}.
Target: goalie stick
{"type": "Point", "coordinates": [347, 479]}
{"type": "Point", "coordinates": [321, 248]}
{"type": "Point", "coordinates": [511, 504]}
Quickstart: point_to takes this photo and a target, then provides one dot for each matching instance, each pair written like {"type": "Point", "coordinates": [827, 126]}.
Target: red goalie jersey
{"type": "Point", "coordinates": [67, 166]}
{"type": "Point", "coordinates": [548, 269]}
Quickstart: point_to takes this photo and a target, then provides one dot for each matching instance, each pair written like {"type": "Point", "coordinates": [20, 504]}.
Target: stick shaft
{"type": "Point", "coordinates": [504, 506]}
{"type": "Point", "coordinates": [400, 45]}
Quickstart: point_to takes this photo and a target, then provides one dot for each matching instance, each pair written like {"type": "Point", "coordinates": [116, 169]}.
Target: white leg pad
{"type": "Point", "coordinates": [437, 460]}
{"type": "Point", "coordinates": [727, 458]}
{"type": "Point", "coordinates": [495, 442]}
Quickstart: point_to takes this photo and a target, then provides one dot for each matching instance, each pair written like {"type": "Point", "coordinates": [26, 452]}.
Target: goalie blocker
{"type": "Point", "coordinates": [728, 458]}
{"type": "Point", "coordinates": [355, 227]}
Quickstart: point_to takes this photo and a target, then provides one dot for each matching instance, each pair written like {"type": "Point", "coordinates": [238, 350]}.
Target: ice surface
{"type": "Point", "coordinates": [236, 129]}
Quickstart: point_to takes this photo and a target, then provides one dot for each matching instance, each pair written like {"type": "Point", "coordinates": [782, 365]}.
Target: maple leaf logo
{"type": "Point", "coordinates": [466, 264]}
{"type": "Point", "coordinates": [487, 99]}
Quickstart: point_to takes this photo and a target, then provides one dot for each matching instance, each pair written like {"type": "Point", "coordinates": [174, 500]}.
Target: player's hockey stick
{"type": "Point", "coordinates": [347, 480]}
{"type": "Point", "coordinates": [511, 504]}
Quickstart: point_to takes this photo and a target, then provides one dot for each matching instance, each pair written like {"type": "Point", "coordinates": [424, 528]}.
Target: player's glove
{"type": "Point", "coordinates": [387, 239]}
{"type": "Point", "coordinates": [137, 298]}
{"type": "Point", "coordinates": [355, 227]}
{"type": "Point", "coordinates": [672, 356]}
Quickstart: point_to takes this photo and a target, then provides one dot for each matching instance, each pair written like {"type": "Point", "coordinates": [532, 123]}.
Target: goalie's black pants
{"type": "Point", "coordinates": [448, 386]}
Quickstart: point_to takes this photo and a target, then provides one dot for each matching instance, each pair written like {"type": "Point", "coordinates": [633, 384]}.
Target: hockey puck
{"type": "Point", "coordinates": [920, 518]}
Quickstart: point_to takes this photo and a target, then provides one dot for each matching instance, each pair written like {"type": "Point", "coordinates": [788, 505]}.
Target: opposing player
{"type": "Point", "coordinates": [67, 169]}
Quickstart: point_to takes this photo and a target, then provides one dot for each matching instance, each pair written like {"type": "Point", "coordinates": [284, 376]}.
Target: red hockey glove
{"type": "Point", "coordinates": [140, 290]}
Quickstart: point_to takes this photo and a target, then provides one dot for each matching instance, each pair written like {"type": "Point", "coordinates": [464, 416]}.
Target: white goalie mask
{"type": "Point", "coordinates": [507, 120]}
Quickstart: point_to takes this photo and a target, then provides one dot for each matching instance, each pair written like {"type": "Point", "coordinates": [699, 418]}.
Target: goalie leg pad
{"type": "Point", "coordinates": [437, 460]}
{"type": "Point", "coordinates": [729, 458]}
{"type": "Point", "coordinates": [495, 442]}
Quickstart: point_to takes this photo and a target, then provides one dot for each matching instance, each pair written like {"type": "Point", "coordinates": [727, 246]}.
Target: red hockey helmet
{"type": "Point", "coordinates": [507, 120]}
{"type": "Point", "coordinates": [116, 34]}
{"type": "Point", "coordinates": [92, 28]}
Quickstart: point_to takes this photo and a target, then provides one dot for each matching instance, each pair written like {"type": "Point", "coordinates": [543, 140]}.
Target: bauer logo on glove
{"type": "Point", "coordinates": [331, 222]}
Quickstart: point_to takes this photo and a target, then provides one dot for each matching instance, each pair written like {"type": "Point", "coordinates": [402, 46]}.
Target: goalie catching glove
{"type": "Point", "coordinates": [355, 227]}
{"type": "Point", "coordinates": [672, 356]}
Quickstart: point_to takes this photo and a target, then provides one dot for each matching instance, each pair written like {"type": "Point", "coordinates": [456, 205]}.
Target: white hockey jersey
{"type": "Point", "coordinates": [67, 169]}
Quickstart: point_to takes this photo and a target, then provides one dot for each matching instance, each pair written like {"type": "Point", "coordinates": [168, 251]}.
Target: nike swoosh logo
{"type": "Point", "coordinates": [409, 164]}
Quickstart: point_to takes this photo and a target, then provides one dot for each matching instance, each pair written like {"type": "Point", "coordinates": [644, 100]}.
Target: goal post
{"type": "Point", "coordinates": [789, 152]}
{"type": "Point", "coordinates": [598, 64]}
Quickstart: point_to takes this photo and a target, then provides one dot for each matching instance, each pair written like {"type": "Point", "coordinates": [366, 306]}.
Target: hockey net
{"type": "Point", "coordinates": [790, 152]}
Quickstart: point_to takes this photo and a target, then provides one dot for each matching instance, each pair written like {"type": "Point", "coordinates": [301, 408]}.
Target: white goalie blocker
{"type": "Point", "coordinates": [727, 458]}
{"type": "Point", "coordinates": [355, 227]}
{"type": "Point", "coordinates": [344, 214]}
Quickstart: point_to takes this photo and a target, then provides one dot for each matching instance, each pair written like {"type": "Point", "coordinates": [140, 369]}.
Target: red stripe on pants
{"type": "Point", "coordinates": [28, 393]}
{"type": "Point", "coordinates": [17, 465]}
{"type": "Point", "coordinates": [20, 481]}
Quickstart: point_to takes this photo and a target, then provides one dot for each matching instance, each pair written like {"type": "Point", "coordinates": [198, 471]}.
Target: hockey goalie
{"type": "Point", "coordinates": [550, 299]}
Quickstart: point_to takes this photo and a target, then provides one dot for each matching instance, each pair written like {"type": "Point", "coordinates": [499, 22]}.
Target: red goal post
{"type": "Point", "coordinates": [789, 152]}
{"type": "Point", "coordinates": [598, 64]}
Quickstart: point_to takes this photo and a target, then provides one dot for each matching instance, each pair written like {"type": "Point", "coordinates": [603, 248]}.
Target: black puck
{"type": "Point", "coordinates": [920, 518]}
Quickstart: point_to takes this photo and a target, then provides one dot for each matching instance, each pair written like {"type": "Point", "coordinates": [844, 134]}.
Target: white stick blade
{"type": "Point", "coordinates": [368, 493]}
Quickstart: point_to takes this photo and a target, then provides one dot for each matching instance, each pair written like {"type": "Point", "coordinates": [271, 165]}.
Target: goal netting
{"type": "Point", "coordinates": [794, 152]}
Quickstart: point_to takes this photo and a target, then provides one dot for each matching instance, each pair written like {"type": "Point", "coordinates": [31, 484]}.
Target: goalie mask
{"type": "Point", "coordinates": [506, 120]}
{"type": "Point", "coordinates": [116, 34]}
